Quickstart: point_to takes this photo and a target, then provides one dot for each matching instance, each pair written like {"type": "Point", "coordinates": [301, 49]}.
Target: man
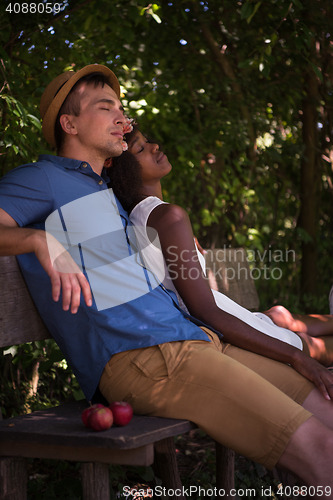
{"type": "Point", "coordinates": [129, 336]}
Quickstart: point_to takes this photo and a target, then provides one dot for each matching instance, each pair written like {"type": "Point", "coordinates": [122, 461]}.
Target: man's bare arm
{"type": "Point", "coordinates": [15, 240]}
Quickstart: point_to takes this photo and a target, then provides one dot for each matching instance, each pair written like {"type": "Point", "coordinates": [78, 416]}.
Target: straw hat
{"type": "Point", "coordinates": [56, 92]}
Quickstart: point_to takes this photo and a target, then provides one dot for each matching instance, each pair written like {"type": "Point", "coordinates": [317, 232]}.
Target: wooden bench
{"type": "Point", "coordinates": [58, 433]}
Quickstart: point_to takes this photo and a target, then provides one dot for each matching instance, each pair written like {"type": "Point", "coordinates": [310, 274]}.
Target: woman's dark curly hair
{"type": "Point", "coordinates": [125, 177]}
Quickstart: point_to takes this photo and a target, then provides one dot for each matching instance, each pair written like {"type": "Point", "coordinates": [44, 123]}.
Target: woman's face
{"type": "Point", "coordinates": [154, 163]}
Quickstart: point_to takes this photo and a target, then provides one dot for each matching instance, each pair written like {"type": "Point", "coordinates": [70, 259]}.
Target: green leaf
{"type": "Point", "coordinates": [55, 356]}
{"type": "Point", "coordinates": [299, 43]}
{"type": "Point", "coordinates": [147, 474]}
{"type": "Point", "coordinates": [317, 71]}
{"type": "Point", "coordinates": [21, 109]}
{"type": "Point", "coordinates": [211, 190]}
{"type": "Point", "coordinates": [246, 10]}
{"type": "Point", "coordinates": [304, 235]}
{"type": "Point", "coordinates": [240, 238]}
{"type": "Point", "coordinates": [298, 3]}
{"type": "Point", "coordinates": [274, 38]}
{"type": "Point", "coordinates": [78, 394]}
{"type": "Point", "coordinates": [40, 344]}
{"type": "Point", "coordinates": [88, 23]}
{"type": "Point", "coordinates": [246, 63]}
{"type": "Point", "coordinates": [256, 7]}
{"type": "Point", "coordinates": [266, 70]}
{"type": "Point", "coordinates": [35, 121]}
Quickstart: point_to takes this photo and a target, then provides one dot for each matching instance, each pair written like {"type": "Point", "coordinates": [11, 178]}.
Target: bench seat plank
{"type": "Point", "coordinates": [143, 455]}
{"type": "Point", "coordinates": [62, 426]}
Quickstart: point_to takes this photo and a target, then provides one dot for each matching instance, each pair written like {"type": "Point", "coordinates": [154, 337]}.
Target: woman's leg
{"type": "Point", "coordinates": [315, 325]}
{"type": "Point", "coordinates": [316, 332]}
{"type": "Point", "coordinates": [319, 348]}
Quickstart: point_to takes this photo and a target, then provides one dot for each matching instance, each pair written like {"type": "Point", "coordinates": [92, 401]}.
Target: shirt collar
{"type": "Point", "coordinates": [62, 161]}
{"type": "Point", "coordinates": [70, 164]}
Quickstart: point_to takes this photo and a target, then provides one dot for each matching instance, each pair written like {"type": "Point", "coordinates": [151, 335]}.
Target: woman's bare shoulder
{"type": "Point", "coordinates": [168, 213]}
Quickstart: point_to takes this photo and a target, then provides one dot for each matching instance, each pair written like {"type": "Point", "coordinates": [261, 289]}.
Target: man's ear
{"type": "Point", "coordinates": [67, 124]}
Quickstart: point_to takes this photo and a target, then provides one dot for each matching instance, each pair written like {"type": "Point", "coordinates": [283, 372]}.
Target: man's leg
{"type": "Point", "coordinates": [309, 451]}
{"type": "Point", "coordinates": [232, 403]}
{"type": "Point", "coordinates": [320, 407]}
{"type": "Point", "coordinates": [309, 455]}
{"type": "Point", "coordinates": [279, 374]}
{"type": "Point", "coordinates": [194, 380]}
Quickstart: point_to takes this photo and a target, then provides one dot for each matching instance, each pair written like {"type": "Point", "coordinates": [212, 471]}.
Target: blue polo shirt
{"type": "Point", "coordinates": [37, 193]}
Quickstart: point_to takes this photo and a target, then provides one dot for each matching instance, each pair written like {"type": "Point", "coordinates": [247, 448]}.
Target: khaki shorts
{"type": "Point", "coordinates": [245, 401]}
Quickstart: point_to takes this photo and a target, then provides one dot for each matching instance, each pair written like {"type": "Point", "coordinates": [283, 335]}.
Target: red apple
{"type": "Point", "coordinates": [87, 411]}
{"type": "Point", "coordinates": [122, 412]}
{"type": "Point", "coordinates": [100, 419]}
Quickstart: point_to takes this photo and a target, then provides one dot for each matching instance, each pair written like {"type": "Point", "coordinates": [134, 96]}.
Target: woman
{"type": "Point", "coordinates": [135, 177]}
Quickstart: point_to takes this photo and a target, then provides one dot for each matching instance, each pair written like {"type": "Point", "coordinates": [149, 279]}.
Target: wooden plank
{"type": "Point", "coordinates": [225, 467]}
{"type": "Point", "coordinates": [166, 467]}
{"type": "Point", "coordinates": [143, 455]}
{"type": "Point", "coordinates": [63, 426]}
{"type": "Point", "coordinates": [228, 272]}
{"type": "Point", "coordinates": [19, 319]}
{"type": "Point", "coordinates": [13, 479]}
{"type": "Point", "coordinates": [95, 481]}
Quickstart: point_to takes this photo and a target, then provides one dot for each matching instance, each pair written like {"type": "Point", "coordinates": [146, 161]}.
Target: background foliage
{"type": "Point", "coordinates": [239, 93]}
{"type": "Point", "coordinates": [240, 96]}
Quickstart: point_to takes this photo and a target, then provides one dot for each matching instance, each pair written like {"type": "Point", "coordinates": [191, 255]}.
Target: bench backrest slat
{"type": "Point", "coordinates": [229, 272]}
{"type": "Point", "coordinates": [20, 321]}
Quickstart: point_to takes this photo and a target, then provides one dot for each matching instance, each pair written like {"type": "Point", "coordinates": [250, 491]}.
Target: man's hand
{"type": "Point", "coordinates": [64, 273]}
{"type": "Point", "coordinates": [314, 371]}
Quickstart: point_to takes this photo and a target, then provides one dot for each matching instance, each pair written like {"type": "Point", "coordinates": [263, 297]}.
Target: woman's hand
{"type": "Point", "coordinates": [314, 371]}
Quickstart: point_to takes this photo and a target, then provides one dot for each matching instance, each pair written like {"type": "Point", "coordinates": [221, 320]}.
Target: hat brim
{"type": "Point", "coordinates": [49, 120]}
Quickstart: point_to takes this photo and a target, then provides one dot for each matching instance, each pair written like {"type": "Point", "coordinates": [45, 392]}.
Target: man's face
{"type": "Point", "coordinates": [99, 127]}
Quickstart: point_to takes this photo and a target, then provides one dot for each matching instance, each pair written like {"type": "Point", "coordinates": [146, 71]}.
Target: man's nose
{"type": "Point", "coordinates": [154, 147]}
{"type": "Point", "coordinates": [120, 117]}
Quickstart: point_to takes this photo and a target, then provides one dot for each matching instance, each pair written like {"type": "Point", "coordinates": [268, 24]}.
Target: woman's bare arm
{"type": "Point", "coordinates": [177, 242]}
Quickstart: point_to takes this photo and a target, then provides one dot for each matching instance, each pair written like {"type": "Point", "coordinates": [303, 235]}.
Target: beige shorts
{"type": "Point", "coordinates": [245, 401]}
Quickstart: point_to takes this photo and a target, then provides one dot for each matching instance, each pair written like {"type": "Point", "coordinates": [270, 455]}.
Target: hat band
{"type": "Point", "coordinates": [60, 88]}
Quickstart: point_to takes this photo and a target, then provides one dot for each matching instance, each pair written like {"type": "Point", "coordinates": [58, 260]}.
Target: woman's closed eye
{"type": "Point", "coordinates": [138, 148]}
